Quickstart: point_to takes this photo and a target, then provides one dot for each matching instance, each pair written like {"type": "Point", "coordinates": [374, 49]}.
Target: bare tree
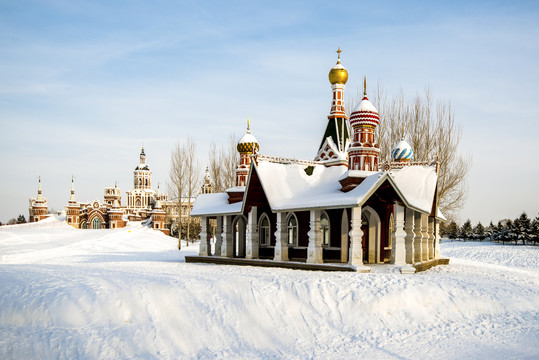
{"type": "Point", "coordinates": [432, 132]}
{"type": "Point", "coordinates": [178, 184]}
{"type": "Point", "coordinates": [192, 166]}
{"type": "Point", "coordinates": [223, 164]}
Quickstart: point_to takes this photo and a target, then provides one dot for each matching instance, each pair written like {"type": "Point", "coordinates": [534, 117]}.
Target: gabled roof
{"type": "Point", "coordinates": [288, 187]}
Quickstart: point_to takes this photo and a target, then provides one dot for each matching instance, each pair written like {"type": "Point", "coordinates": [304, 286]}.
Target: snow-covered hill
{"type": "Point", "coordinates": [127, 293]}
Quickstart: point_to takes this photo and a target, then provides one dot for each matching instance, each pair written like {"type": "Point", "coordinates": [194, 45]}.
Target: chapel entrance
{"type": "Point", "coordinates": [365, 238]}
{"type": "Point", "coordinates": [239, 228]}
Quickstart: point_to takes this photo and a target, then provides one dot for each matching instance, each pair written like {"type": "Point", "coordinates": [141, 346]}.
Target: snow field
{"type": "Point", "coordinates": [67, 293]}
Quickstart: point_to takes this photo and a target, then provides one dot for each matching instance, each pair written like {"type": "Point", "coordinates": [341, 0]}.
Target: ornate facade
{"type": "Point", "coordinates": [143, 204]}
{"type": "Point", "coordinates": [343, 207]}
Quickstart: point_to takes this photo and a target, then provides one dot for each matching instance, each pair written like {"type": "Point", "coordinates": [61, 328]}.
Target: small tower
{"type": "Point", "coordinates": [142, 175]}
{"type": "Point", "coordinates": [364, 151]}
{"type": "Point", "coordinates": [207, 188]}
{"type": "Point", "coordinates": [332, 150]}
{"type": "Point", "coordinates": [116, 216]}
{"type": "Point", "coordinates": [158, 218]}
{"type": "Point", "coordinates": [38, 205]}
{"type": "Point", "coordinates": [73, 208]}
{"type": "Point", "coordinates": [246, 146]}
{"type": "Point", "coordinates": [112, 194]}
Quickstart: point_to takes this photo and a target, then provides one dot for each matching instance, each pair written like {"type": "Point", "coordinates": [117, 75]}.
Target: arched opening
{"type": "Point", "coordinates": [344, 236]}
{"type": "Point", "coordinates": [84, 225]}
{"type": "Point", "coordinates": [370, 225]}
{"type": "Point", "coordinates": [292, 229]}
{"type": "Point", "coordinates": [137, 203]}
{"type": "Point", "coordinates": [264, 230]}
{"type": "Point", "coordinates": [365, 238]}
{"type": "Point", "coordinates": [239, 228]}
{"type": "Point", "coordinates": [96, 223]}
{"type": "Point", "coordinates": [324, 228]}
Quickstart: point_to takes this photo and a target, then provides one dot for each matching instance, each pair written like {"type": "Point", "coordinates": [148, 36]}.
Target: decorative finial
{"type": "Point", "coordinates": [365, 86]}
{"type": "Point", "coordinates": [339, 51]}
{"type": "Point", "coordinates": [402, 135]}
{"type": "Point", "coordinates": [72, 177]}
{"type": "Point", "coordinates": [248, 125]}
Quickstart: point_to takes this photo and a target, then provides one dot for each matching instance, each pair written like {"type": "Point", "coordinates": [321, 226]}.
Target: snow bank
{"type": "Point", "coordinates": [126, 293]}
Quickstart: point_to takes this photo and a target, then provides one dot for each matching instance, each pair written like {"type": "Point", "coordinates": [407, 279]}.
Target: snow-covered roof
{"type": "Point", "coordinates": [289, 188]}
{"type": "Point", "coordinates": [214, 204]}
{"type": "Point", "coordinates": [248, 138]}
{"type": "Point", "coordinates": [365, 105]}
{"type": "Point", "coordinates": [417, 184]}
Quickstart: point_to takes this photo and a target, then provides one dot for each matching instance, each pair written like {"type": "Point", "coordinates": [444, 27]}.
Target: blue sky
{"type": "Point", "coordinates": [84, 84]}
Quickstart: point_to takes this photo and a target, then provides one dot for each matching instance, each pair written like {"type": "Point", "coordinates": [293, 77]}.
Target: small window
{"type": "Point", "coordinates": [292, 227]}
{"type": "Point", "coordinates": [324, 228]}
{"type": "Point", "coordinates": [264, 230]}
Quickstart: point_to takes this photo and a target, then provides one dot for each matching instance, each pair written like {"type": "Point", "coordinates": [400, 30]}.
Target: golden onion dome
{"type": "Point", "coordinates": [338, 74]}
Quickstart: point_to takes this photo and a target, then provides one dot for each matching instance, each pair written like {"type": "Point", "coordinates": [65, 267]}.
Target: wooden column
{"type": "Point", "coordinates": [409, 239]}
{"type": "Point", "coordinates": [205, 247]}
{"type": "Point", "coordinates": [314, 249]}
{"type": "Point", "coordinates": [431, 238]}
{"type": "Point", "coordinates": [436, 239]}
{"type": "Point", "coordinates": [252, 235]}
{"type": "Point", "coordinates": [218, 235]}
{"type": "Point", "coordinates": [356, 235]}
{"type": "Point", "coordinates": [398, 252]}
{"type": "Point", "coordinates": [227, 248]}
{"type": "Point", "coordinates": [281, 241]}
{"type": "Point", "coordinates": [425, 237]}
{"type": "Point", "coordinates": [418, 246]}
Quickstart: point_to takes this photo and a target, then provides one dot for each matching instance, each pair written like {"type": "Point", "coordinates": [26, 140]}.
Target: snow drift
{"type": "Point", "coordinates": [127, 293]}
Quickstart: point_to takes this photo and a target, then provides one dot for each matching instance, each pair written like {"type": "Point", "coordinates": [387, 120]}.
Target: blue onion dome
{"type": "Point", "coordinates": [402, 151]}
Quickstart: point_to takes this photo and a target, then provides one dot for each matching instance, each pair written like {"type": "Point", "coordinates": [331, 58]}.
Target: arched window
{"type": "Point", "coordinates": [292, 227]}
{"type": "Point", "coordinates": [96, 223]}
{"type": "Point", "coordinates": [324, 228]}
{"type": "Point", "coordinates": [146, 182]}
{"type": "Point", "coordinates": [264, 230]}
{"type": "Point", "coordinates": [84, 225]}
{"type": "Point", "coordinates": [137, 203]}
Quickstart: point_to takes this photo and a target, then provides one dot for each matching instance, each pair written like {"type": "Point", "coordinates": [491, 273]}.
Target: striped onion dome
{"type": "Point", "coordinates": [365, 114]}
{"type": "Point", "coordinates": [402, 151]}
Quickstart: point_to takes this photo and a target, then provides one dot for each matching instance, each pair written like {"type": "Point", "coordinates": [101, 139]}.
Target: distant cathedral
{"type": "Point", "coordinates": [143, 203]}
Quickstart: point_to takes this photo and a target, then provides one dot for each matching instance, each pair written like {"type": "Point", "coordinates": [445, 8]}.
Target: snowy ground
{"type": "Point", "coordinates": [127, 293]}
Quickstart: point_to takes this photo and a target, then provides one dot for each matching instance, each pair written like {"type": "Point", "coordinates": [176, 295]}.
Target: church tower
{"type": "Point", "coordinates": [206, 186]}
{"type": "Point", "coordinates": [73, 209]}
{"type": "Point", "coordinates": [246, 146]}
{"type": "Point", "coordinates": [38, 205]}
{"type": "Point", "coordinates": [336, 138]}
{"type": "Point", "coordinates": [142, 175]}
{"type": "Point", "coordinates": [364, 151]}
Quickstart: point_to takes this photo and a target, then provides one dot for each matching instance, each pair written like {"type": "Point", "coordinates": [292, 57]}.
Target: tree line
{"type": "Point", "coordinates": [522, 229]}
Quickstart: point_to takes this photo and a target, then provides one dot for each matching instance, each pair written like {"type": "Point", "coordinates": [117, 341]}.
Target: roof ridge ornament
{"type": "Point", "coordinates": [339, 51]}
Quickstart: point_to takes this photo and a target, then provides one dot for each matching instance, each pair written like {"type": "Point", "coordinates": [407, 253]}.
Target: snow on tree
{"type": "Point", "coordinates": [479, 232]}
{"type": "Point", "coordinates": [522, 228]}
{"type": "Point", "coordinates": [466, 231]}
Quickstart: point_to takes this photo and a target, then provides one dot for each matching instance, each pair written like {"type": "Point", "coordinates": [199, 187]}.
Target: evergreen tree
{"type": "Point", "coordinates": [452, 230]}
{"type": "Point", "coordinates": [522, 228]}
{"type": "Point", "coordinates": [466, 230]}
{"type": "Point", "coordinates": [21, 219]}
{"type": "Point", "coordinates": [508, 232]}
{"type": "Point", "coordinates": [490, 230]}
{"type": "Point", "coordinates": [535, 230]}
{"type": "Point", "coordinates": [479, 232]}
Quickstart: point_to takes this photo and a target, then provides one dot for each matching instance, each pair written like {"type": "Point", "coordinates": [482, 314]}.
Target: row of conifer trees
{"type": "Point", "coordinates": [522, 230]}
